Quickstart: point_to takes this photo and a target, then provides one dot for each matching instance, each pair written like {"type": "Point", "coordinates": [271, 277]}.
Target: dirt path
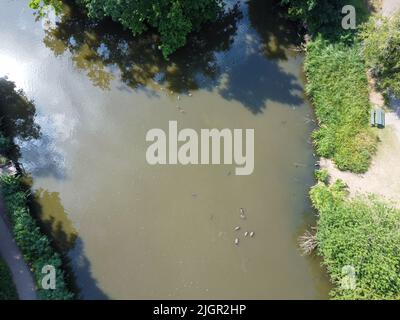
{"type": "Point", "coordinates": [12, 255]}
{"type": "Point", "coordinates": [390, 6]}
{"type": "Point", "coordinates": [383, 177]}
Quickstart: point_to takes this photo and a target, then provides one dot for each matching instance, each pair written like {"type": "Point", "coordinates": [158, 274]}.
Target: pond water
{"type": "Point", "coordinates": [138, 231]}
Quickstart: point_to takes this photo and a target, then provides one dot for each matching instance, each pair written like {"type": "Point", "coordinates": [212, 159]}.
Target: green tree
{"type": "Point", "coordinates": [382, 51]}
{"type": "Point", "coordinates": [173, 19]}
{"type": "Point", "coordinates": [325, 16]}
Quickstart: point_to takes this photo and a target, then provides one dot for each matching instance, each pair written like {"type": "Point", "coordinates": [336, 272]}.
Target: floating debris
{"type": "Point", "coordinates": [237, 228]}
{"type": "Point", "coordinates": [237, 241]}
{"type": "Point", "coordinates": [252, 234]}
{"type": "Point", "coordinates": [180, 109]}
{"type": "Point", "coordinates": [298, 165]}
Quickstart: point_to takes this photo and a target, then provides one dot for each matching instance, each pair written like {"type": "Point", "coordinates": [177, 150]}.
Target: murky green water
{"type": "Point", "coordinates": [137, 231]}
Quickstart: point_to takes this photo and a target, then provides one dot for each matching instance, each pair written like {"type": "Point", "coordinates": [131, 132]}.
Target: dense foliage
{"type": "Point", "coordinates": [358, 235]}
{"type": "Point", "coordinates": [17, 112]}
{"type": "Point", "coordinates": [338, 87]}
{"type": "Point", "coordinates": [362, 233]}
{"type": "Point", "coordinates": [35, 246]}
{"type": "Point", "coordinates": [324, 16]}
{"type": "Point", "coordinates": [173, 19]}
{"type": "Point", "coordinates": [382, 51]}
{"type": "Point", "coordinates": [337, 83]}
{"type": "Point", "coordinates": [7, 287]}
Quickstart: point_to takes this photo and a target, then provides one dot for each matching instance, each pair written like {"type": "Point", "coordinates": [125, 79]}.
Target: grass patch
{"type": "Point", "coordinates": [7, 287]}
{"type": "Point", "coordinates": [338, 88]}
{"type": "Point", "coordinates": [362, 233]}
{"type": "Point", "coordinates": [35, 245]}
{"type": "Point", "coordinates": [337, 82]}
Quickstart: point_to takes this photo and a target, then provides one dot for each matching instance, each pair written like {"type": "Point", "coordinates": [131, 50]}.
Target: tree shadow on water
{"type": "Point", "coordinates": [259, 78]}
{"type": "Point", "coordinates": [277, 32]}
{"type": "Point", "coordinates": [103, 50]}
{"type": "Point", "coordinates": [259, 81]}
{"type": "Point", "coordinates": [46, 206]}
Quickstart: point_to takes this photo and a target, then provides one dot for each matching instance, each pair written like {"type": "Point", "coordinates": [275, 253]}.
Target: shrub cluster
{"type": "Point", "coordinates": [362, 233]}
{"type": "Point", "coordinates": [338, 88]}
{"type": "Point", "coordinates": [35, 246]}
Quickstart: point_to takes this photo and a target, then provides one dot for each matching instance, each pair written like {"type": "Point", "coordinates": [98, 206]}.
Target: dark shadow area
{"type": "Point", "coordinates": [83, 273]}
{"type": "Point", "coordinates": [259, 78]}
{"type": "Point", "coordinates": [103, 49]}
{"type": "Point", "coordinates": [258, 81]}
{"type": "Point", "coordinates": [48, 209]}
{"type": "Point", "coordinates": [277, 33]}
{"type": "Point", "coordinates": [54, 221]}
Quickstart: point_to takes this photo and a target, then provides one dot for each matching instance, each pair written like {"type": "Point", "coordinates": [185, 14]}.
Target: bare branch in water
{"type": "Point", "coordinates": [308, 242]}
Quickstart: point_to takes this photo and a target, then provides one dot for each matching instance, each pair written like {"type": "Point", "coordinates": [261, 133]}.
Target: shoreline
{"type": "Point", "coordinates": [381, 178]}
{"type": "Point", "coordinates": [356, 196]}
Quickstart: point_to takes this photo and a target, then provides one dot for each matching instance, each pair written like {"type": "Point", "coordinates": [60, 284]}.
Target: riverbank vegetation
{"type": "Point", "coordinates": [338, 88]}
{"type": "Point", "coordinates": [337, 83]}
{"type": "Point", "coordinates": [7, 287]}
{"type": "Point", "coordinates": [17, 115]}
{"type": "Point", "coordinates": [173, 19]}
{"type": "Point", "coordinates": [35, 246]}
{"type": "Point", "coordinates": [360, 233]}
{"type": "Point", "coordinates": [357, 238]}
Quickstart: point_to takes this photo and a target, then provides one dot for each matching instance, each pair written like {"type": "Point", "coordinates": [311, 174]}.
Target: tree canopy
{"type": "Point", "coordinates": [381, 51]}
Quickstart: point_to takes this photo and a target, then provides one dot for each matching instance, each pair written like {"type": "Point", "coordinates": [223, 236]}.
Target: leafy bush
{"type": "Point", "coordinates": [35, 246]}
{"type": "Point", "coordinates": [362, 233]}
{"type": "Point", "coordinates": [338, 88]}
{"type": "Point", "coordinates": [7, 287]}
{"type": "Point", "coordinates": [382, 51]}
{"type": "Point", "coordinates": [322, 175]}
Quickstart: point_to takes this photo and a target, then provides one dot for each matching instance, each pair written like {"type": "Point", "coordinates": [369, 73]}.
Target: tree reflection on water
{"type": "Point", "coordinates": [239, 56]}
{"type": "Point", "coordinates": [100, 48]}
